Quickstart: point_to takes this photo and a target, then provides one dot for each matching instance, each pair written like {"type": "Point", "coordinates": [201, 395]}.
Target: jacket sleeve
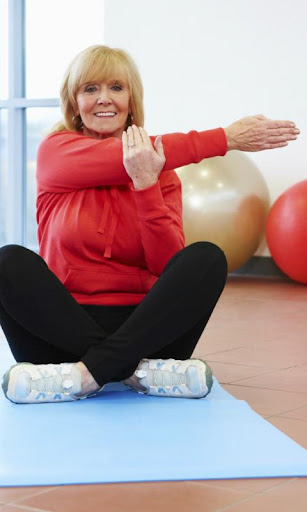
{"type": "Point", "coordinates": [68, 160]}
{"type": "Point", "coordinates": [159, 210]}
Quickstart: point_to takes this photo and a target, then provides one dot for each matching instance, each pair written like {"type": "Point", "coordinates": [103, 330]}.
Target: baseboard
{"type": "Point", "coordinates": [261, 266]}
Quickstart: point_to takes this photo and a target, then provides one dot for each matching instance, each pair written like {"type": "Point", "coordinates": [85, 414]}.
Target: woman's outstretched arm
{"type": "Point", "coordinates": [68, 160]}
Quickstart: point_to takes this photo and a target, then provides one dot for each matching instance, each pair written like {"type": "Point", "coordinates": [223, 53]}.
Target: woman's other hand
{"type": "Point", "coordinates": [142, 161]}
{"type": "Point", "coordinates": [255, 133]}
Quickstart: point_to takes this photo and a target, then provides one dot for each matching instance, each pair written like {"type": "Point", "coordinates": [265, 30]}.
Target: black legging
{"type": "Point", "coordinates": [44, 324]}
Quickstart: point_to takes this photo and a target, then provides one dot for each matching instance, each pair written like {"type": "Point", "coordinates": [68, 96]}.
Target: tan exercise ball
{"type": "Point", "coordinates": [225, 201]}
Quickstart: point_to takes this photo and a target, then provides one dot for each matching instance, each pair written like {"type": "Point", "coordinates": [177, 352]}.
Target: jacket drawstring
{"type": "Point", "coordinates": [110, 204]}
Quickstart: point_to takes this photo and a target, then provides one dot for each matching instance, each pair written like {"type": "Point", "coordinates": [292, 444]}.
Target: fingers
{"type": "Point", "coordinates": [137, 137]}
{"type": "Point", "coordinates": [125, 143]}
{"type": "Point", "coordinates": [141, 136]}
{"type": "Point", "coordinates": [158, 145]}
{"type": "Point", "coordinates": [272, 123]}
{"type": "Point", "coordinates": [134, 137]}
{"type": "Point", "coordinates": [130, 138]}
{"type": "Point", "coordinates": [275, 138]}
{"type": "Point", "coordinates": [290, 133]}
{"type": "Point", "coordinates": [275, 146]}
{"type": "Point", "coordinates": [278, 137]}
{"type": "Point", "coordinates": [277, 134]}
{"type": "Point", "coordinates": [283, 125]}
{"type": "Point", "coordinates": [284, 131]}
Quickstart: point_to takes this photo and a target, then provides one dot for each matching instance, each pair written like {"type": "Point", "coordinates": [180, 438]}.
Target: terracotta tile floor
{"type": "Point", "coordinates": [256, 344]}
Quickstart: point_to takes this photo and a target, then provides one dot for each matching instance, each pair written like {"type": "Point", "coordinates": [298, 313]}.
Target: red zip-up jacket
{"type": "Point", "coordinates": [105, 241]}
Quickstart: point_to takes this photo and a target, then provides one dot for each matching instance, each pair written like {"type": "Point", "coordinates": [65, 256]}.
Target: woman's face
{"type": "Point", "coordinates": [104, 108]}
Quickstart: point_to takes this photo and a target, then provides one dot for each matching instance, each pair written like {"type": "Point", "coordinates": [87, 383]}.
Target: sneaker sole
{"type": "Point", "coordinates": [5, 382]}
{"type": "Point", "coordinates": [208, 375]}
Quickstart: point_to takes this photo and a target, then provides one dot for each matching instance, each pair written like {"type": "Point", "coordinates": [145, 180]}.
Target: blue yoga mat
{"type": "Point", "coordinates": [122, 436]}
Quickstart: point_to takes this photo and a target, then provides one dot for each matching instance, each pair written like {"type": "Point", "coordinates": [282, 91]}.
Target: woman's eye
{"type": "Point", "coordinates": [90, 88]}
{"type": "Point", "coordinates": [117, 87]}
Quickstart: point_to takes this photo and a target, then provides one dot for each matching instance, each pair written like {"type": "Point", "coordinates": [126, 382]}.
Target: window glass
{"type": "Point", "coordinates": [39, 121]}
{"type": "Point", "coordinates": [3, 177]}
{"type": "Point", "coordinates": [3, 49]}
{"type": "Point", "coordinates": [55, 32]}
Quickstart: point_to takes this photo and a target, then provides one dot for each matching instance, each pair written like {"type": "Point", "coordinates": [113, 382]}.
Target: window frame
{"type": "Point", "coordinates": [16, 105]}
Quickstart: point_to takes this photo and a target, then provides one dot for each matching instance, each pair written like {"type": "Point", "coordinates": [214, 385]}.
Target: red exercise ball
{"type": "Point", "coordinates": [286, 232]}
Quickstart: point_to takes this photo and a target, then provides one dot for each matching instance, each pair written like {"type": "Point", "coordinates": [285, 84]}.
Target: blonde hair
{"type": "Point", "coordinates": [99, 63]}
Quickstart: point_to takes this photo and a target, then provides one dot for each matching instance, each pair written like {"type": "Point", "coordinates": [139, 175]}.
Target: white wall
{"type": "Point", "coordinates": [207, 63]}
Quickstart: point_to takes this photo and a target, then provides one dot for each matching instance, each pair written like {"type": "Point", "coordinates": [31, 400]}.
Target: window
{"type": "Point", "coordinates": [3, 49]}
{"type": "Point", "coordinates": [3, 177]}
{"type": "Point", "coordinates": [56, 31]}
{"type": "Point", "coordinates": [38, 120]}
{"type": "Point", "coordinates": [37, 42]}
{"type": "Point", "coordinates": [3, 119]}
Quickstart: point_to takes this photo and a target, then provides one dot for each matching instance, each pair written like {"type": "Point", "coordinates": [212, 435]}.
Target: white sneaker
{"type": "Point", "coordinates": [27, 383]}
{"type": "Point", "coordinates": [191, 378]}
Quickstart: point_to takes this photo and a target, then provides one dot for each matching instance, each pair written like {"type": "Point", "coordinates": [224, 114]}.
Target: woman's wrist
{"type": "Point", "coordinates": [142, 184]}
{"type": "Point", "coordinates": [229, 139]}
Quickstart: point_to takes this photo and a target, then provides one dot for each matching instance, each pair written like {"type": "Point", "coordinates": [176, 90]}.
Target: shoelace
{"type": "Point", "coordinates": [165, 378]}
{"type": "Point", "coordinates": [57, 383]}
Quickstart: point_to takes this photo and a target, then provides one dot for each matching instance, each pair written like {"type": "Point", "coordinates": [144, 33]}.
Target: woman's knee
{"type": "Point", "coordinates": [208, 252]}
{"type": "Point", "coordinates": [15, 256]}
{"type": "Point", "coordinates": [211, 259]}
{"type": "Point", "coordinates": [199, 259]}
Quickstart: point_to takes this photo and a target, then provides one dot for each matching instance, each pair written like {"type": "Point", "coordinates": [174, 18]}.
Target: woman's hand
{"type": "Point", "coordinates": [142, 161]}
{"type": "Point", "coordinates": [255, 133]}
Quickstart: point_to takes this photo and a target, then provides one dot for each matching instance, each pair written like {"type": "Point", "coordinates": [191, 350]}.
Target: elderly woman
{"type": "Point", "coordinates": [114, 294]}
